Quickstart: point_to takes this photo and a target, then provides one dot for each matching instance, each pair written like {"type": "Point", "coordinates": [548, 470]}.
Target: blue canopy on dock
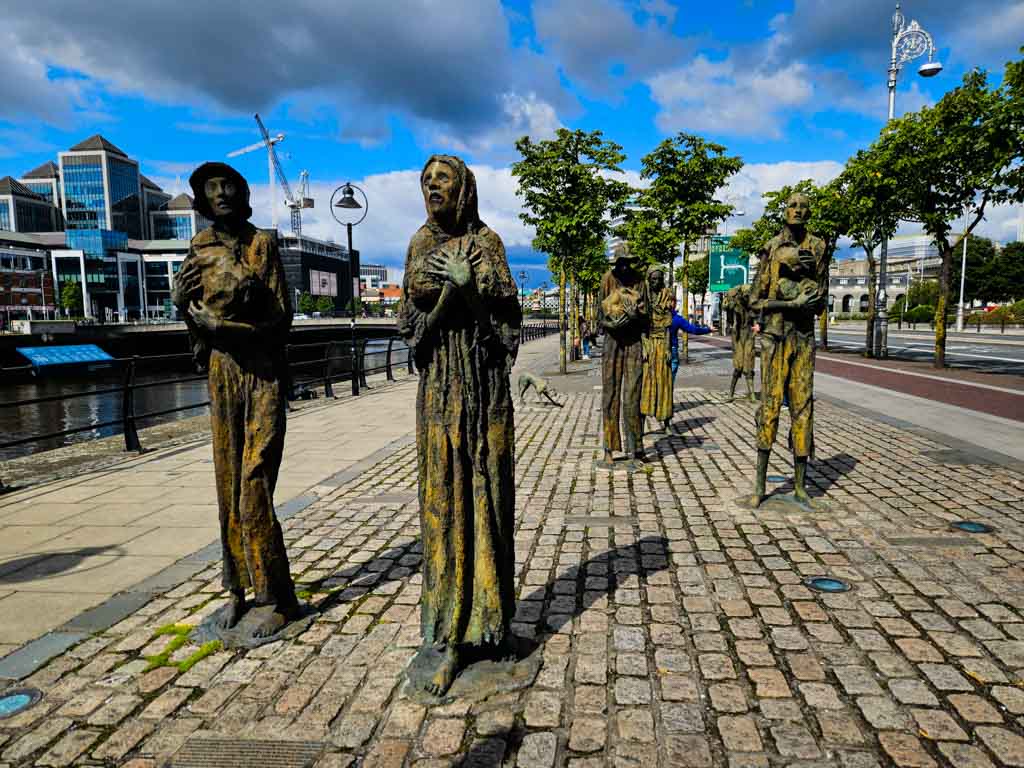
{"type": "Point", "coordinates": [73, 354]}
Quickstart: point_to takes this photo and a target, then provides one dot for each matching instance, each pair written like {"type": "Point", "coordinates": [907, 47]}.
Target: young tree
{"type": "Point", "coordinates": [686, 173]}
{"type": "Point", "coordinates": [963, 154]}
{"type": "Point", "coordinates": [569, 200]}
{"type": "Point", "coordinates": [325, 305]}
{"type": "Point", "coordinates": [307, 305]}
{"type": "Point", "coordinates": [873, 207]}
{"type": "Point", "coordinates": [1004, 280]}
{"type": "Point", "coordinates": [71, 298]}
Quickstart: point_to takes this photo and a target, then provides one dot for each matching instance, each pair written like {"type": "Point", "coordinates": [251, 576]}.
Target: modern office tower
{"type": "Point", "coordinates": [22, 210]}
{"type": "Point", "coordinates": [101, 188]}
{"type": "Point", "coordinates": [177, 219]}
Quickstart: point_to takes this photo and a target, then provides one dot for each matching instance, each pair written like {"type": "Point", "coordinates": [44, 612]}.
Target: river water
{"type": "Point", "coordinates": [44, 418]}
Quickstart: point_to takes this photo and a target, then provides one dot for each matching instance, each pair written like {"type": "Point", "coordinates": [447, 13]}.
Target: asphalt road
{"type": "Point", "coordinates": [1006, 356]}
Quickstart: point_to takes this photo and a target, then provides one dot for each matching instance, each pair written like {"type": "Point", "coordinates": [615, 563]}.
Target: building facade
{"type": "Point", "coordinates": [910, 258]}
{"type": "Point", "coordinates": [320, 268]}
{"type": "Point", "coordinates": [22, 210]}
{"type": "Point", "coordinates": [176, 219]}
{"type": "Point", "coordinates": [373, 275]}
{"type": "Point", "coordinates": [26, 285]}
{"type": "Point", "coordinates": [101, 188]}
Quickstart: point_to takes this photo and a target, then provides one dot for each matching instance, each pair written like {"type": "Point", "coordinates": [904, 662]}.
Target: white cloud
{"type": "Point", "coordinates": [744, 190]}
{"type": "Point", "coordinates": [729, 97]}
{"type": "Point", "coordinates": [521, 116]}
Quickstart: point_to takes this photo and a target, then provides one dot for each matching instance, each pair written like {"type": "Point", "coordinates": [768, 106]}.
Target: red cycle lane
{"type": "Point", "coordinates": [927, 383]}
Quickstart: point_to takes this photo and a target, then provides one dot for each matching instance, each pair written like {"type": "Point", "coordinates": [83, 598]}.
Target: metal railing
{"type": "Point", "coordinates": [324, 371]}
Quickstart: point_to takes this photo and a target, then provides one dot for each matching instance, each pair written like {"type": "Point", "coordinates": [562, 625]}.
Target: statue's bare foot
{"type": "Point", "coordinates": [269, 621]}
{"type": "Point", "coordinates": [232, 613]}
{"type": "Point", "coordinates": [753, 501]}
{"type": "Point", "coordinates": [801, 497]}
{"type": "Point", "coordinates": [441, 680]}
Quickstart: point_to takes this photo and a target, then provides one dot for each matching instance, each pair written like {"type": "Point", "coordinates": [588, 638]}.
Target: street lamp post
{"type": "Point", "coordinates": [909, 42]}
{"type": "Point", "coordinates": [348, 202]}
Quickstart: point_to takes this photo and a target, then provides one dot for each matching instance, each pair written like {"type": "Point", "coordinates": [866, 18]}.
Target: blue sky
{"type": "Point", "coordinates": [366, 91]}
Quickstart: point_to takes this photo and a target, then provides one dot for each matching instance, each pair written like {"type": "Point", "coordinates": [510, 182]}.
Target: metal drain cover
{"type": "Point", "coordinates": [972, 526]}
{"type": "Point", "coordinates": [239, 753]}
{"type": "Point", "coordinates": [17, 700]}
{"type": "Point", "coordinates": [827, 584]}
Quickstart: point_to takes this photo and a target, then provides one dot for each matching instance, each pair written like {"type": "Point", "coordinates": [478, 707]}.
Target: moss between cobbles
{"type": "Point", "coordinates": [181, 633]}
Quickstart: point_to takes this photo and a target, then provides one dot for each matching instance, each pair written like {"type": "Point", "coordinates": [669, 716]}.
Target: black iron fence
{"type": "Point", "coordinates": [310, 370]}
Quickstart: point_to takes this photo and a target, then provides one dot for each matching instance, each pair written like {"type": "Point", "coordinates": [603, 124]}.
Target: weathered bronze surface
{"type": "Point", "coordinates": [461, 314]}
{"type": "Point", "coordinates": [790, 288]}
{"type": "Point", "coordinates": [231, 290]}
{"type": "Point", "coordinates": [624, 319]}
{"type": "Point", "coordinates": [737, 304]}
{"type": "Point", "coordinates": [656, 391]}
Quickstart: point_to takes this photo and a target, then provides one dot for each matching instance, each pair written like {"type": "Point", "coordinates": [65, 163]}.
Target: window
{"type": "Point", "coordinates": [5, 215]}
{"type": "Point", "coordinates": [126, 209]}
{"type": "Point", "coordinates": [323, 283]}
{"type": "Point", "coordinates": [32, 216]}
{"type": "Point", "coordinates": [85, 197]}
{"type": "Point", "coordinates": [173, 227]}
{"type": "Point", "coordinates": [42, 188]}
{"type": "Point", "coordinates": [843, 281]}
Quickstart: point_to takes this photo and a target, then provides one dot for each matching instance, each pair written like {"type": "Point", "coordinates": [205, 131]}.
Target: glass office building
{"type": "Point", "coordinates": [125, 201]}
{"type": "Point", "coordinates": [101, 188]}
{"type": "Point", "coordinates": [85, 195]}
{"type": "Point", "coordinates": [173, 227]}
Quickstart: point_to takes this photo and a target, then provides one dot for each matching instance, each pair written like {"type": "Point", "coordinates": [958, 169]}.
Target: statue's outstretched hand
{"type": "Point", "coordinates": [455, 262]}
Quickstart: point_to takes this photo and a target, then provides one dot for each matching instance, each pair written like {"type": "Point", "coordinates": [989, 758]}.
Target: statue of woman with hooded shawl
{"type": "Point", "coordinates": [461, 315]}
{"type": "Point", "coordinates": [656, 391]}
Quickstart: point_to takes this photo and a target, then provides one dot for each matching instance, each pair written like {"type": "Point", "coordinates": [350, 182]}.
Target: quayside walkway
{"type": "Point", "coordinates": [674, 628]}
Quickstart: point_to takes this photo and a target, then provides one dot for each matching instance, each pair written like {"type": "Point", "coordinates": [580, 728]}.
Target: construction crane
{"type": "Point", "coordinates": [296, 204]}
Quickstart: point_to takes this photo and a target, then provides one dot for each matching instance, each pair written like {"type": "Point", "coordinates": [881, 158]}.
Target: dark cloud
{"type": "Point", "coordinates": [444, 63]}
{"type": "Point", "coordinates": [604, 44]}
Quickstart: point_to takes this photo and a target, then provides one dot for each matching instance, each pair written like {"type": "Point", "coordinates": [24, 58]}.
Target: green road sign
{"type": "Point", "coordinates": [727, 267]}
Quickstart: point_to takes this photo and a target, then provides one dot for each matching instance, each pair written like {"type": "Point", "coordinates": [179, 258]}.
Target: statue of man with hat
{"type": "Point", "coordinates": [624, 319]}
{"type": "Point", "coordinates": [231, 291]}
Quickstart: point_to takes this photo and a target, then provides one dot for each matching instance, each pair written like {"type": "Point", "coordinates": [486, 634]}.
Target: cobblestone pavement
{"type": "Point", "coordinates": [675, 629]}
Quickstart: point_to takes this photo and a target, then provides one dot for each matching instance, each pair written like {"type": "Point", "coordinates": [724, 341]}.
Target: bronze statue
{"type": "Point", "coordinates": [737, 304]}
{"type": "Point", "coordinates": [790, 289]}
{"type": "Point", "coordinates": [461, 314]}
{"type": "Point", "coordinates": [656, 390]}
{"type": "Point", "coordinates": [231, 291]}
{"type": "Point", "coordinates": [624, 319]}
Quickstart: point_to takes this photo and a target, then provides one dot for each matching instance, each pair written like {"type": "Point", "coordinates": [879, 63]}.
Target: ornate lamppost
{"type": "Point", "coordinates": [909, 42]}
{"type": "Point", "coordinates": [523, 277]}
{"type": "Point", "coordinates": [346, 211]}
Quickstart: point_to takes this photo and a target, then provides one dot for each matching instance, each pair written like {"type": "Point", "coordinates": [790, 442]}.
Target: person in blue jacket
{"type": "Point", "coordinates": [680, 323]}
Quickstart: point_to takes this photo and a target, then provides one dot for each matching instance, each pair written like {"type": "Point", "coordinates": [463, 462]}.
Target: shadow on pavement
{"type": "Point", "coordinates": [43, 565]}
{"type": "Point", "coordinates": [822, 474]}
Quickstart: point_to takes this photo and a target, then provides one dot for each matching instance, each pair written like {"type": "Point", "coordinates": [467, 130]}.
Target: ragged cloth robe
{"type": "Point", "coordinates": [656, 391]}
{"type": "Point", "coordinates": [464, 433]}
{"type": "Point", "coordinates": [243, 281]}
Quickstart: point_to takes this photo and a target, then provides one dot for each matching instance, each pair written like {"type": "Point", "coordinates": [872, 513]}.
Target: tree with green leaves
{"type": "Point", "coordinates": [686, 173]}
{"type": "Point", "coordinates": [307, 304]}
{"type": "Point", "coordinates": [71, 298]}
{"type": "Point", "coordinates": [873, 209]}
{"type": "Point", "coordinates": [325, 305]}
{"type": "Point", "coordinates": [648, 234]}
{"type": "Point", "coordinates": [694, 275]}
{"type": "Point", "coordinates": [962, 155]}
{"type": "Point", "coordinates": [569, 199]}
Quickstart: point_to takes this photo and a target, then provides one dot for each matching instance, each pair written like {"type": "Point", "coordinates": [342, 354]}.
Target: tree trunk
{"type": "Point", "coordinates": [940, 307]}
{"type": "Point", "coordinates": [686, 302]}
{"type": "Point", "coordinates": [869, 330]}
{"type": "Point", "coordinates": [561, 321]}
{"type": "Point", "coordinates": [574, 331]}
